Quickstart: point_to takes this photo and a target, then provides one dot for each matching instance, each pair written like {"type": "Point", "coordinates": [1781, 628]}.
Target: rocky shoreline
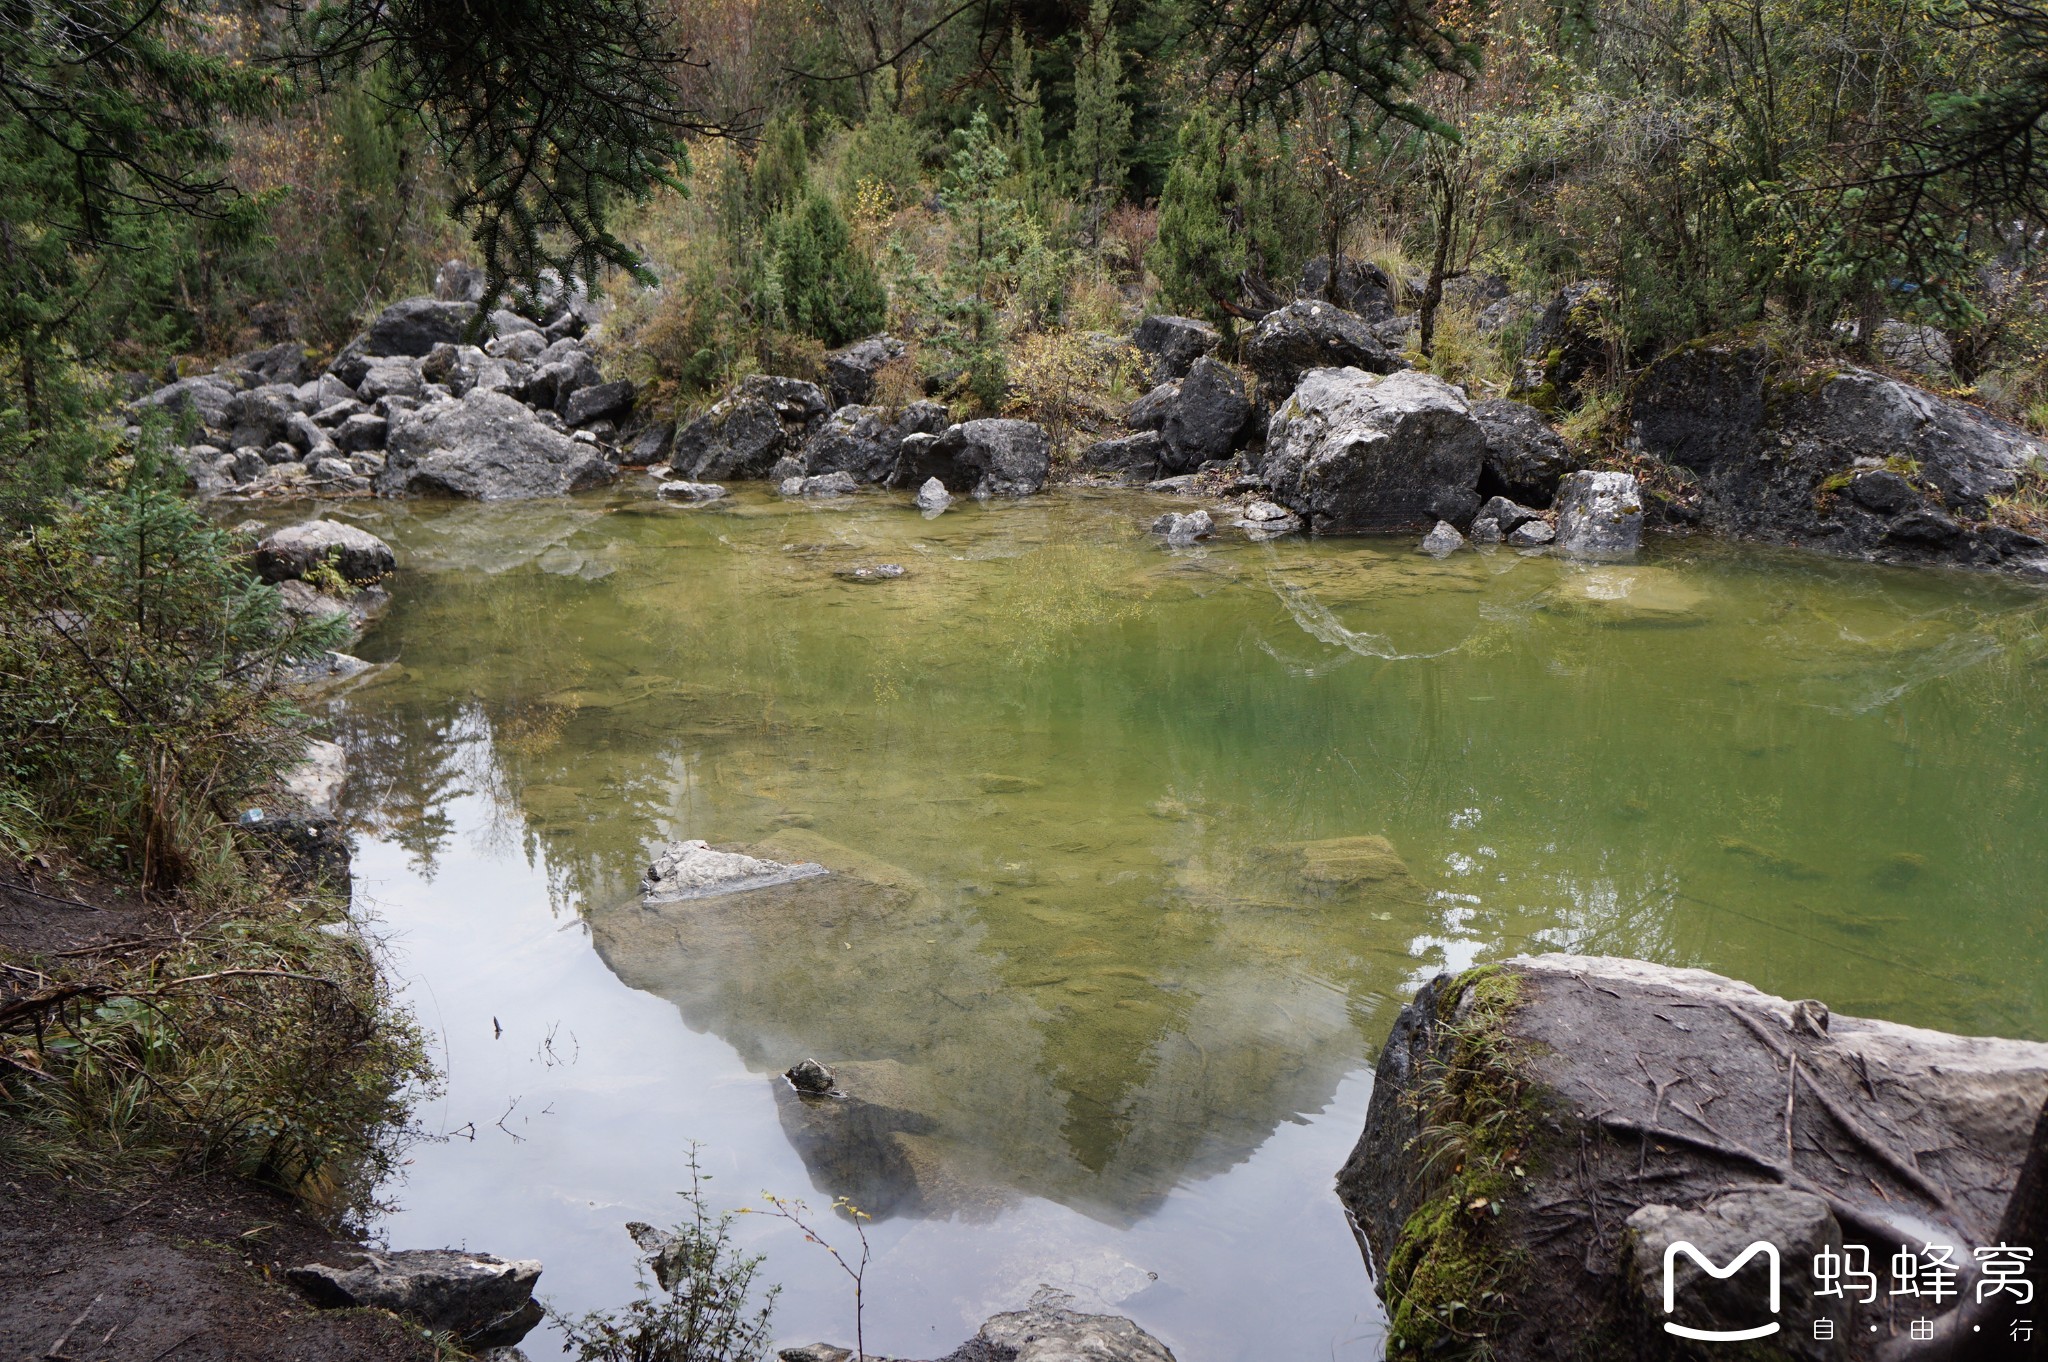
{"type": "Point", "coordinates": [1322, 427]}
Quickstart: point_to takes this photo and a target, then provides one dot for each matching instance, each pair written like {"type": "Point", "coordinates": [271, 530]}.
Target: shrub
{"type": "Point", "coordinates": [142, 680]}
{"type": "Point", "coordinates": [828, 288]}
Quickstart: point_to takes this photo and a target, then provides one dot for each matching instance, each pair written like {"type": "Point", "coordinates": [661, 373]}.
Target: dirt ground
{"type": "Point", "coordinates": [173, 1268]}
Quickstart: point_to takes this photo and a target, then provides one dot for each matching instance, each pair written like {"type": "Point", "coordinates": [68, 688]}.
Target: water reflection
{"type": "Point", "coordinates": [1083, 946]}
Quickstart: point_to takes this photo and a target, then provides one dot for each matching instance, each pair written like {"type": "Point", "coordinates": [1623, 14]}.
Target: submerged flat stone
{"type": "Point", "coordinates": [695, 870]}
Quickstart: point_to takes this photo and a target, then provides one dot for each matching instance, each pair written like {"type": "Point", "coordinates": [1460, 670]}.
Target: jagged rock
{"type": "Point", "coordinates": [1524, 456]}
{"type": "Point", "coordinates": [335, 413]}
{"type": "Point", "coordinates": [487, 446]}
{"type": "Point", "coordinates": [853, 440]}
{"type": "Point", "coordinates": [990, 457]}
{"type": "Point", "coordinates": [689, 491]}
{"type": "Point", "coordinates": [1267, 520]}
{"type": "Point", "coordinates": [390, 378]}
{"type": "Point", "coordinates": [651, 445]}
{"type": "Point", "coordinates": [365, 430]}
{"type": "Point", "coordinates": [1362, 287]}
{"type": "Point", "coordinates": [1207, 418]}
{"type": "Point", "coordinates": [1310, 335]}
{"type": "Point", "coordinates": [1442, 540]}
{"type": "Point", "coordinates": [359, 556]}
{"type": "Point", "coordinates": [484, 1301]}
{"type": "Point", "coordinates": [1350, 451]}
{"type": "Point", "coordinates": [1507, 514]}
{"type": "Point", "coordinates": [261, 416]}
{"type": "Point", "coordinates": [1780, 451]}
{"type": "Point", "coordinates": [1531, 534]}
{"type": "Point", "coordinates": [1474, 292]}
{"type": "Point", "coordinates": [1485, 530]}
{"type": "Point", "coordinates": [1498, 316]}
{"type": "Point", "coordinates": [850, 372]}
{"type": "Point", "coordinates": [599, 402]}
{"type": "Point", "coordinates": [1901, 1135]}
{"type": "Point", "coordinates": [1173, 344]}
{"type": "Point", "coordinates": [922, 418]}
{"type": "Point", "coordinates": [1599, 515]}
{"type": "Point", "coordinates": [1565, 345]}
{"type": "Point", "coordinates": [414, 326]}
{"type": "Point", "coordinates": [206, 397]}
{"type": "Point", "coordinates": [1136, 455]}
{"type": "Point", "coordinates": [932, 498]}
{"type": "Point", "coordinates": [1182, 529]}
{"type": "Point", "coordinates": [746, 431]}
{"type": "Point", "coordinates": [808, 1075]}
{"type": "Point", "coordinates": [522, 346]}
{"type": "Point", "coordinates": [839, 484]}
{"type": "Point", "coordinates": [694, 870]}
{"type": "Point", "coordinates": [1150, 411]}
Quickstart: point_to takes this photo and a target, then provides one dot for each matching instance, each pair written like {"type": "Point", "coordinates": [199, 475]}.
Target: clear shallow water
{"type": "Point", "coordinates": [1116, 1019]}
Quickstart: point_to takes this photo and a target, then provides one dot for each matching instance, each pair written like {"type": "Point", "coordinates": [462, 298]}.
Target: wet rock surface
{"type": "Point", "coordinates": [695, 870]}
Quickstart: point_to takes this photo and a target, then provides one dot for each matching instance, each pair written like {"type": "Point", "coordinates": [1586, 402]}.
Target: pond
{"type": "Point", "coordinates": [1148, 846]}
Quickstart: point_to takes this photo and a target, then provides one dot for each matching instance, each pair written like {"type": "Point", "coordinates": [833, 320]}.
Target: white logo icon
{"type": "Point", "coordinates": [1770, 1253]}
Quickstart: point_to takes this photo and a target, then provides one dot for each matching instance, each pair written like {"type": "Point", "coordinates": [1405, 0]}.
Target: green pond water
{"type": "Point", "coordinates": [1140, 851]}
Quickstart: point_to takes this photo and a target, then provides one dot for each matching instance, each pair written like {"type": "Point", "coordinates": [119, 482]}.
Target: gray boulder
{"type": "Point", "coordinates": [683, 871]}
{"type": "Point", "coordinates": [485, 1302]}
{"type": "Point", "coordinates": [1310, 335]}
{"type": "Point", "coordinates": [284, 362]}
{"type": "Point", "coordinates": [1208, 418]}
{"type": "Point", "coordinates": [850, 372]}
{"type": "Point", "coordinates": [853, 440]}
{"type": "Point", "coordinates": [1151, 411]}
{"type": "Point", "coordinates": [487, 446]}
{"type": "Point", "coordinates": [524, 346]}
{"type": "Point", "coordinates": [1531, 534]}
{"type": "Point", "coordinates": [1171, 345]}
{"type": "Point", "coordinates": [1599, 515]}
{"type": "Point", "coordinates": [1361, 286]}
{"type": "Point", "coordinates": [1049, 1331]}
{"type": "Point", "coordinates": [932, 498]}
{"type": "Point", "coordinates": [1922, 350]}
{"type": "Point", "coordinates": [840, 484]}
{"type": "Point", "coordinates": [1353, 452]}
{"type": "Point", "coordinates": [1797, 1224]}
{"type": "Point", "coordinates": [1566, 344]}
{"type": "Point", "coordinates": [1132, 455]}
{"type": "Point", "coordinates": [414, 326]}
{"type": "Point", "coordinates": [648, 445]}
{"type": "Point", "coordinates": [1442, 540]}
{"type": "Point", "coordinates": [599, 402]}
{"type": "Point", "coordinates": [1267, 520]}
{"type": "Point", "coordinates": [206, 397]}
{"type": "Point", "coordinates": [363, 431]}
{"type": "Point", "coordinates": [746, 431]}
{"type": "Point", "coordinates": [1507, 514]}
{"type": "Point", "coordinates": [1847, 461]}
{"type": "Point", "coordinates": [922, 417]}
{"type": "Point", "coordinates": [261, 416]}
{"type": "Point", "coordinates": [1502, 313]}
{"type": "Point", "coordinates": [992, 457]}
{"type": "Point", "coordinates": [1485, 530]}
{"type": "Point", "coordinates": [1524, 456]}
{"type": "Point", "coordinates": [390, 378]}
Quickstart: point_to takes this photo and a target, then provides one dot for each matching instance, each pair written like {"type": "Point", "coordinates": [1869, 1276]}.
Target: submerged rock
{"type": "Point", "coordinates": [689, 491]}
{"type": "Point", "coordinates": [1350, 452]}
{"type": "Point", "coordinates": [1628, 595]}
{"type": "Point", "coordinates": [485, 1302]}
{"type": "Point", "coordinates": [870, 572]}
{"type": "Point", "coordinates": [1531, 534]}
{"type": "Point", "coordinates": [1180, 530]}
{"type": "Point", "coordinates": [932, 498]}
{"type": "Point", "coordinates": [694, 870]}
{"type": "Point", "coordinates": [840, 484]}
{"type": "Point", "coordinates": [1267, 520]}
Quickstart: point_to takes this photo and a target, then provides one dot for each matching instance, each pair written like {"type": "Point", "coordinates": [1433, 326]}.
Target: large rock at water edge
{"type": "Point", "coordinates": [1354, 452]}
{"type": "Point", "coordinates": [1310, 335]}
{"type": "Point", "coordinates": [744, 433]}
{"type": "Point", "coordinates": [1208, 416]}
{"type": "Point", "coordinates": [487, 446]}
{"type": "Point", "coordinates": [991, 457]}
{"type": "Point", "coordinates": [414, 326]}
{"type": "Point", "coordinates": [1136, 455]}
{"type": "Point", "coordinates": [1524, 456]}
{"type": "Point", "coordinates": [1657, 1094]}
{"type": "Point", "coordinates": [1843, 460]}
{"type": "Point", "coordinates": [1599, 515]}
{"type": "Point", "coordinates": [485, 1302]}
{"type": "Point", "coordinates": [856, 441]}
{"type": "Point", "coordinates": [359, 556]}
{"type": "Point", "coordinates": [1171, 345]}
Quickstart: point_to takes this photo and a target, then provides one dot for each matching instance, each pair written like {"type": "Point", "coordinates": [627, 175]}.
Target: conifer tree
{"type": "Point", "coordinates": [1100, 148]}
{"type": "Point", "coordinates": [1197, 258]}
